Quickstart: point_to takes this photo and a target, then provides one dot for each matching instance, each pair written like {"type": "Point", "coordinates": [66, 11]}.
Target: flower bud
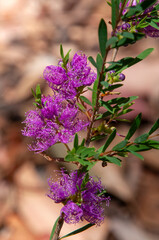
{"type": "Point", "coordinates": [125, 26]}
{"type": "Point", "coordinates": [121, 76]}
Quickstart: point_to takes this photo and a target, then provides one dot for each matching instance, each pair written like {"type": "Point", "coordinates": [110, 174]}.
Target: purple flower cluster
{"type": "Point", "coordinates": [81, 201]}
{"type": "Point", "coordinates": [56, 121]}
{"type": "Point", "coordinates": [57, 117]}
{"type": "Point", "coordinates": [68, 81]}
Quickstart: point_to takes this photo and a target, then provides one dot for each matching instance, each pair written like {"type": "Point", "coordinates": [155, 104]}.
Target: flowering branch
{"type": "Point", "coordinates": [59, 118]}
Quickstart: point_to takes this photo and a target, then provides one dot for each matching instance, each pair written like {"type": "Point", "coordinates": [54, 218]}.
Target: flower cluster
{"type": "Point", "coordinates": [72, 78]}
{"type": "Point", "coordinates": [132, 24]}
{"type": "Point", "coordinates": [81, 195]}
{"type": "Point", "coordinates": [57, 117]}
{"type": "Point", "coordinates": [56, 121]}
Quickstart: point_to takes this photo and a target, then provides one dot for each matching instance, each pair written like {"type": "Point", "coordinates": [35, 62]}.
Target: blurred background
{"type": "Point", "coordinates": [30, 34]}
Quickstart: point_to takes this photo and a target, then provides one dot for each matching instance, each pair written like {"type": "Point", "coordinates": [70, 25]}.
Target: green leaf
{"type": "Point", "coordinates": [98, 137]}
{"type": "Point", "coordinates": [92, 61]}
{"type": "Point", "coordinates": [105, 84]}
{"type": "Point", "coordinates": [113, 159]}
{"type": "Point", "coordinates": [99, 61]}
{"type": "Point", "coordinates": [108, 142]}
{"type": "Point", "coordinates": [125, 111]}
{"type": "Point", "coordinates": [127, 62]}
{"type": "Point", "coordinates": [66, 58]}
{"type": "Point", "coordinates": [141, 138]}
{"type": "Point", "coordinates": [85, 181]}
{"type": "Point", "coordinates": [144, 54]}
{"type": "Point", "coordinates": [137, 154]}
{"type": "Point", "coordinates": [102, 36]}
{"type": "Point", "coordinates": [38, 91]}
{"type": "Point", "coordinates": [115, 12]}
{"type": "Point", "coordinates": [153, 144]}
{"type": "Point", "coordinates": [111, 41]}
{"type": "Point", "coordinates": [80, 106]}
{"type": "Point", "coordinates": [128, 35]}
{"type": "Point", "coordinates": [120, 145]}
{"type": "Point", "coordinates": [86, 100]}
{"type": "Point", "coordinates": [135, 125]}
{"type": "Point", "coordinates": [83, 142]}
{"type": "Point", "coordinates": [53, 229]}
{"type": "Point", "coordinates": [94, 93]}
{"type": "Point", "coordinates": [76, 141]}
{"type": "Point", "coordinates": [154, 127]}
{"type": "Point", "coordinates": [138, 148]}
{"type": "Point", "coordinates": [107, 106]}
{"type": "Point", "coordinates": [78, 230]}
{"type": "Point", "coordinates": [61, 51]}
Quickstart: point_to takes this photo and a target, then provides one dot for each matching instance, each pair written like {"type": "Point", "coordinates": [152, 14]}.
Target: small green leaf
{"type": "Point", "coordinates": [61, 51]}
{"type": "Point", "coordinates": [99, 61]}
{"type": "Point", "coordinates": [115, 12]}
{"type": "Point", "coordinates": [128, 35]}
{"type": "Point", "coordinates": [107, 106]}
{"type": "Point", "coordinates": [153, 144]}
{"type": "Point", "coordinates": [83, 142]}
{"type": "Point", "coordinates": [135, 125]}
{"type": "Point", "coordinates": [145, 53]}
{"type": "Point", "coordinates": [141, 138]}
{"type": "Point", "coordinates": [120, 145]}
{"type": "Point", "coordinates": [66, 58]}
{"type": "Point", "coordinates": [76, 141]}
{"type": "Point", "coordinates": [94, 93]}
{"type": "Point", "coordinates": [38, 91]}
{"type": "Point", "coordinates": [86, 100]}
{"type": "Point", "coordinates": [92, 61]}
{"type": "Point", "coordinates": [111, 41]}
{"type": "Point", "coordinates": [85, 181]}
{"type": "Point", "coordinates": [154, 127]}
{"type": "Point", "coordinates": [105, 84]}
{"type": "Point", "coordinates": [112, 159]}
{"type": "Point", "coordinates": [108, 142]}
{"type": "Point", "coordinates": [137, 154]}
{"type": "Point", "coordinates": [78, 230]}
{"type": "Point", "coordinates": [138, 148]}
{"type": "Point", "coordinates": [53, 229]}
{"type": "Point", "coordinates": [80, 106]}
{"type": "Point", "coordinates": [102, 36]}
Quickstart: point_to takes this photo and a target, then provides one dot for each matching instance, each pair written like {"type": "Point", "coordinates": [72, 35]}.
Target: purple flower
{"type": "Point", "coordinates": [81, 201]}
{"type": "Point", "coordinates": [72, 212]}
{"type": "Point", "coordinates": [151, 31]}
{"type": "Point", "coordinates": [56, 121]}
{"type": "Point", "coordinates": [68, 80]}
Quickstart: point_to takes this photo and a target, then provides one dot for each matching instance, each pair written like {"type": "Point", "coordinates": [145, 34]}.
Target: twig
{"type": "Point", "coordinates": [44, 154]}
{"type": "Point", "coordinates": [58, 228]}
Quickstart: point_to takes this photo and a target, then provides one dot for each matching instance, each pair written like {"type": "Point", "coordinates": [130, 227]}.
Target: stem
{"type": "Point", "coordinates": [44, 154]}
{"type": "Point", "coordinates": [58, 228]}
{"type": "Point", "coordinates": [96, 108]}
{"type": "Point", "coordinates": [68, 149]}
{"type": "Point", "coordinates": [97, 99]}
{"type": "Point", "coordinates": [86, 112]}
{"type": "Point", "coordinates": [119, 17]}
{"type": "Point", "coordinates": [115, 51]}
